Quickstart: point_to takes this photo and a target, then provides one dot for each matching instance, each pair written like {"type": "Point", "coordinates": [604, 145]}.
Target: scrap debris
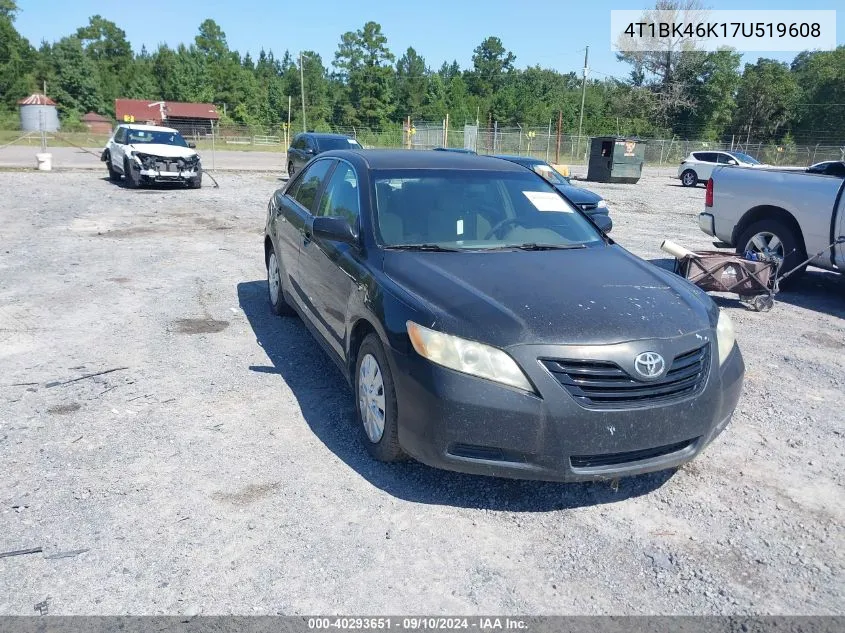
{"type": "Point", "coordinates": [85, 377]}
{"type": "Point", "coordinates": [21, 552]}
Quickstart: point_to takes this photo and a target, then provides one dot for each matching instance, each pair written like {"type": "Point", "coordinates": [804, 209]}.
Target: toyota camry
{"type": "Point", "coordinates": [488, 326]}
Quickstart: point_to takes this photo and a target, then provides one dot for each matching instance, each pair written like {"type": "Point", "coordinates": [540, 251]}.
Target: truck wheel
{"type": "Point", "coordinates": [774, 238]}
{"type": "Point", "coordinates": [114, 175]}
{"type": "Point", "coordinates": [133, 178]}
{"type": "Point", "coordinates": [689, 178]}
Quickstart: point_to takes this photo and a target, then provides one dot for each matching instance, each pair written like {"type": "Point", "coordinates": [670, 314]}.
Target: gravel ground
{"type": "Point", "coordinates": [217, 471]}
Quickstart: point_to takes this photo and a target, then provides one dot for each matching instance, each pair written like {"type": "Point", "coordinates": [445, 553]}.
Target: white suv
{"type": "Point", "coordinates": [149, 153]}
{"type": "Point", "coordinates": [698, 166]}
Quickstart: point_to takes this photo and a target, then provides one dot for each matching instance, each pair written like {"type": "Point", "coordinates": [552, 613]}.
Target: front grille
{"type": "Point", "coordinates": [614, 459]}
{"type": "Point", "coordinates": [596, 384]}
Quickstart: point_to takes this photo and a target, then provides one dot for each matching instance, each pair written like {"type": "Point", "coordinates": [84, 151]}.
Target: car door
{"type": "Point", "coordinates": [309, 150]}
{"type": "Point", "coordinates": [299, 203]}
{"type": "Point", "coordinates": [704, 169]}
{"type": "Point", "coordinates": [117, 150]}
{"type": "Point", "coordinates": [329, 268]}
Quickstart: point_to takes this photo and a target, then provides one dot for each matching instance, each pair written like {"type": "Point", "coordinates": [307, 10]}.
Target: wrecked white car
{"type": "Point", "coordinates": [144, 154]}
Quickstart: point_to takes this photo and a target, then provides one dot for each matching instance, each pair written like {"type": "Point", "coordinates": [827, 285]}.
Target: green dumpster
{"type": "Point", "coordinates": [616, 159]}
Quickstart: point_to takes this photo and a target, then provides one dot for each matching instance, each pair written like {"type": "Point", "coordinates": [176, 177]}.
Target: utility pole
{"type": "Point", "coordinates": [287, 129]}
{"type": "Point", "coordinates": [583, 95]}
{"type": "Point", "coordinates": [302, 88]}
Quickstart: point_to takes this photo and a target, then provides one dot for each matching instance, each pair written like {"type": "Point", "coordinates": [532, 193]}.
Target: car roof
{"type": "Point", "coordinates": [522, 160]}
{"type": "Point", "coordinates": [324, 135]}
{"type": "Point", "coordinates": [147, 128]}
{"type": "Point", "coordinates": [416, 159]}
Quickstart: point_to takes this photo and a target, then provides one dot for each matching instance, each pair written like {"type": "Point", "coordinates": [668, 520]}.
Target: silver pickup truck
{"type": "Point", "coordinates": [788, 214]}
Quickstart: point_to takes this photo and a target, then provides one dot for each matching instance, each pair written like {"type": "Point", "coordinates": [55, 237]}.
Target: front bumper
{"type": "Point", "coordinates": [169, 176]}
{"type": "Point", "coordinates": [458, 422]}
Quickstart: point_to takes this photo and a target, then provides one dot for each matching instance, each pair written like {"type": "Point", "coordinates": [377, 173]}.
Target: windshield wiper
{"type": "Point", "coordinates": [532, 246]}
{"type": "Point", "coordinates": [422, 247]}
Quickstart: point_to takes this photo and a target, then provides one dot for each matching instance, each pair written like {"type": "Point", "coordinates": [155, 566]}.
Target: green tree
{"type": "Point", "coordinates": [821, 77]}
{"type": "Point", "coordinates": [76, 87]}
{"type": "Point", "coordinates": [107, 46]}
{"type": "Point", "coordinates": [364, 62]}
{"type": "Point", "coordinates": [411, 83]}
{"type": "Point", "coordinates": [17, 58]}
{"type": "Point", "coordinates": [766, 99]}
{"type": "Point", "coordinates": [711, 81]}
{"type": "Point", "coordinates": [492, 63]}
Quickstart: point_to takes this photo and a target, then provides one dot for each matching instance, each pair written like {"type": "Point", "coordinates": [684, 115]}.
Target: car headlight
{"type": "Point", "coordinates": [602, 204]}
{"type": "Point", "coordinates": [725, 336]}
{"type": "Point", "coordinates": [468, 357]}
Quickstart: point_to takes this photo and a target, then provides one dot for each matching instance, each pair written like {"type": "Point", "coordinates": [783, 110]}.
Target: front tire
{"type": "Point", "coordinates": [133, 178]}
{"type": "Point", "coordinates": [195, 183]}
{"type": "Point", "coordinates": [375, 402]}
{"type": "Point", "coordinates": [689, 178]}
{"type": "Point", "coordinates": [774, 238]}
{"type": "Point", "coordinates": [275, 289]}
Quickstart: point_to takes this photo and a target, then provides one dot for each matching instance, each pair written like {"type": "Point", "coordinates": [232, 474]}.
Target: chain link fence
{"type": "Point", "coordinates": [540, 142]}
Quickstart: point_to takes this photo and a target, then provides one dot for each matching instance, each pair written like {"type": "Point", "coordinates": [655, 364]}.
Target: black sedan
{"type": "Point", "coordinates": [828, 168]}
{"type": "Point", "coordinates": [589, 202]}
{"type": "Point", "coordinates": [486, 326]}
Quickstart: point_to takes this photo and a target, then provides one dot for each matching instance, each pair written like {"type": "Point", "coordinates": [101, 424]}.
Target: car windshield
{"type": "Point", "coordinates": [326, 144]}
{"type": "Point", "coordinates": [745, 158]}
{"type": "Point", "coordinates": [547, 172]}
{"type": "Point", "coordinates": [137, 137]}
{"type": "Point", "coordinates": [474, 209]}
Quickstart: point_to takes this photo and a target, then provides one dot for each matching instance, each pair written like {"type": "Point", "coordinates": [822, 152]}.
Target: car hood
{"type": "Point", "coordinates": [595, 295]}
{"type": "Point", "coordinates": [165, 151]}
{"type": "Point", "coordinates": [577, 195]}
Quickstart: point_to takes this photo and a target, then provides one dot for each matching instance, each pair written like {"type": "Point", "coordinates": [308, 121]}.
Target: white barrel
{"type": "Point", "coordinates": [45, 161]}
{"type": "Point", "coordinates": [675, 250]}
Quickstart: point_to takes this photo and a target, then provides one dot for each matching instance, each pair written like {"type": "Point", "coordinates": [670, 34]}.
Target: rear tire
{"type": "Point", "coordinates": [375, 396]}
{"type": "Point", "coordinates": [275, 288]}
{"type": "Point", "coordinates": [689, 178]}
{"type": "Point", "coordinates": [775, 238]}
{"type": "Point", "coordinates": [114, 175]}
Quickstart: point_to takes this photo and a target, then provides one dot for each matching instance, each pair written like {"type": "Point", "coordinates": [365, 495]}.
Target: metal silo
{"type": "Point", "coordinates": [38, 112]}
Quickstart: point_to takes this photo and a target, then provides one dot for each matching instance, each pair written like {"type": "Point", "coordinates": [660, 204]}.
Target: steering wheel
{"type": "Point", "coordinates": [500, 225]}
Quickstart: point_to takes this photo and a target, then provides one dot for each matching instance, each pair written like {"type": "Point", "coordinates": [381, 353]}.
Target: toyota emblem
{"type": "Point", "coordinates": [649, 364]}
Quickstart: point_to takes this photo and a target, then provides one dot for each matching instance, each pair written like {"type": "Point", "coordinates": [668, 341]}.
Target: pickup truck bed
{"type": "Point", "coordinates": [789, 214]}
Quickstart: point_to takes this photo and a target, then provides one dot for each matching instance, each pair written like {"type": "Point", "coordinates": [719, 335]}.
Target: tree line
{"type": "Point", "coordinates": [688, 95]}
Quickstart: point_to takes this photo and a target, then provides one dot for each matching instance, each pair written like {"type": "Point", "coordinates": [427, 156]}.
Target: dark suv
{"type": "Point", "coordinates": [307, 145]}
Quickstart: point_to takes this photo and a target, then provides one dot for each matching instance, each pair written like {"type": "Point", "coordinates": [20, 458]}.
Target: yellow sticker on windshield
{"type": "Point", "coordinates": [548, 201]}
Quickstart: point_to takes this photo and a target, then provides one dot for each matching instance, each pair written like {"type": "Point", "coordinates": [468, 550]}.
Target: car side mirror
{"type": "Point", "coordinates": [603, 222]}
{"type": "Point", "coordinates": [732, 162]}
{"type": "Point", "coordinates": [334, 229]}
{"type": "Point", "coordinates": [192, 145]}
{"type": "Point", "coordinates": [310, 151]}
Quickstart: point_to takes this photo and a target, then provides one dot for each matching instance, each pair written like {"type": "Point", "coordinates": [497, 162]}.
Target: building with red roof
{"type": "Point", "coordinates": [189, 118]}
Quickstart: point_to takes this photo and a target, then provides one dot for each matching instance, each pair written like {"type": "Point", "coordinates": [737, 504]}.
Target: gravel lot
{"type": "Point", "coordinates": [217, 471]}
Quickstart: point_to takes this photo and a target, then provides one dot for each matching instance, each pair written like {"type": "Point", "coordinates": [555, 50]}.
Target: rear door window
{"type": "Point", "coordinates": [706, 157]}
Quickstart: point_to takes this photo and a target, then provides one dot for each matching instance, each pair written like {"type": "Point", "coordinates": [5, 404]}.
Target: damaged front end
{"type": "Point", "coordinates": [168, 169]}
